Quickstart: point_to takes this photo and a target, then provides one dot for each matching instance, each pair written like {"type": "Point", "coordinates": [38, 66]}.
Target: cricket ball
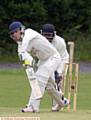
{"type": "Point", "coordinates": [72, 87]}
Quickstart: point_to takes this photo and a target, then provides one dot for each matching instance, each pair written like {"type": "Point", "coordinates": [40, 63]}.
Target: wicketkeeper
{"type": "Point", "coordinates": [48, 30]}
{"type": "Point", "coordinates": [31, 43]}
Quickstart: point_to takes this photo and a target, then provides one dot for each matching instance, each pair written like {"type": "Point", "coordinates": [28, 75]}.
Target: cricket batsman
{"type": "Point", "coordinates": [30, 44]}
{"type": "Point", "coordinates": [48, 30]}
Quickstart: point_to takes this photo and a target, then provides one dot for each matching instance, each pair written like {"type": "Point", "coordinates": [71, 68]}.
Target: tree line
{"type": "Point", "coordinates": [72, 18]}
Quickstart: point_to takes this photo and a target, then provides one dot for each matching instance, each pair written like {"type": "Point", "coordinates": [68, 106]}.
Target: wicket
{"type": "Point", "coordinates": [70, 82]}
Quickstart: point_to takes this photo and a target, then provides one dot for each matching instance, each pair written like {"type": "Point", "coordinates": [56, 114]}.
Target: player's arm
{"type": "Point", "coordinates": [26, 60]}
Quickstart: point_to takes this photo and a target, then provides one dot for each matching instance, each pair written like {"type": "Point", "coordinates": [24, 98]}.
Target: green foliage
{"type": "Point", "coordinates": [71, 18]}
{"type": "Point", "coordinates": [29, 13]}
{"type": "Point", "coordinates": [82, 44]}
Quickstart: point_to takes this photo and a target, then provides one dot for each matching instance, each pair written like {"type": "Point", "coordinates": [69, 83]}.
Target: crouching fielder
{"type": "Point", "coordinates": [30, 44]}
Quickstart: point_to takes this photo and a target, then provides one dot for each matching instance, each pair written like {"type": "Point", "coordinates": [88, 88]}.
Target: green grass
{"type": "Point", "coordinates": [15, 90]}
{"type": "Point", "coordinates": [47, 115]}
{"type": "Point", "coordinates": [9, 58]}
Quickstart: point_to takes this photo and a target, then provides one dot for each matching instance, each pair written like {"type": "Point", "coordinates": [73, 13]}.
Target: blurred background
{"type": "Point", "coordinates": [72, 19]}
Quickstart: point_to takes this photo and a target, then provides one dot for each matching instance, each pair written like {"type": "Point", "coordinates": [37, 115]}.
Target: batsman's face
{"type": "Point", "coordinates": [16, 36]}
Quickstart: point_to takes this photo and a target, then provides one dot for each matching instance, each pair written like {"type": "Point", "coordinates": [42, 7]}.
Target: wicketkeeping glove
{"type": "Point", "coordinates": [58, 78]}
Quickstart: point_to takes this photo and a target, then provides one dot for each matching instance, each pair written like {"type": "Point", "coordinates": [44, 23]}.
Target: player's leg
{"type": "Point", "coordinates": [33, 105]}
{"type": "Point", "coordinates": [59, 80]}
{"type": "Point", "coordinates": [43, 73]}
{"type": "Point", "coordinates": [41, 76]}
{"type": "Point", "coordinates": [55, 94]}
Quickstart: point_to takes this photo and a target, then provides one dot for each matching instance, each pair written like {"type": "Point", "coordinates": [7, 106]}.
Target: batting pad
{"type": "Point", "coordinates": [37, 94]}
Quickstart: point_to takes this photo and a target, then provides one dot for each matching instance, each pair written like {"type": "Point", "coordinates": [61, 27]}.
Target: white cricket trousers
{"type": "Point", "coordinates": [44, 75]}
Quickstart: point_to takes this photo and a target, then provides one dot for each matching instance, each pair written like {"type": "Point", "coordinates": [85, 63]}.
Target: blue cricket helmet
{"type": "Point", "coordinates": [48, 28]}
{"type": "Point", "coordinates": [14, 26]}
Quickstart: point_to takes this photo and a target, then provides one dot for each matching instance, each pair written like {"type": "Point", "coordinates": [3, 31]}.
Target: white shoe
{"type": "Point", "coordinates": [28, 109]}
{"type": "Point", "coordinates": [57, 107]}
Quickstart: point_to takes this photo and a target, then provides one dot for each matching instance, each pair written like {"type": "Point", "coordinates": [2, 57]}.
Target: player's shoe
{"type": "Point", "coordinates": [57, 107]}
{"type": "Point", "coordinates": [28, 109]}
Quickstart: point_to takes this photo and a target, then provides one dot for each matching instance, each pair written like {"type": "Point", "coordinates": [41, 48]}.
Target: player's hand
{"type": "Point", "coordinates": [25, 58]}
{"type": "Point", "coordinates": [26, 63]}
